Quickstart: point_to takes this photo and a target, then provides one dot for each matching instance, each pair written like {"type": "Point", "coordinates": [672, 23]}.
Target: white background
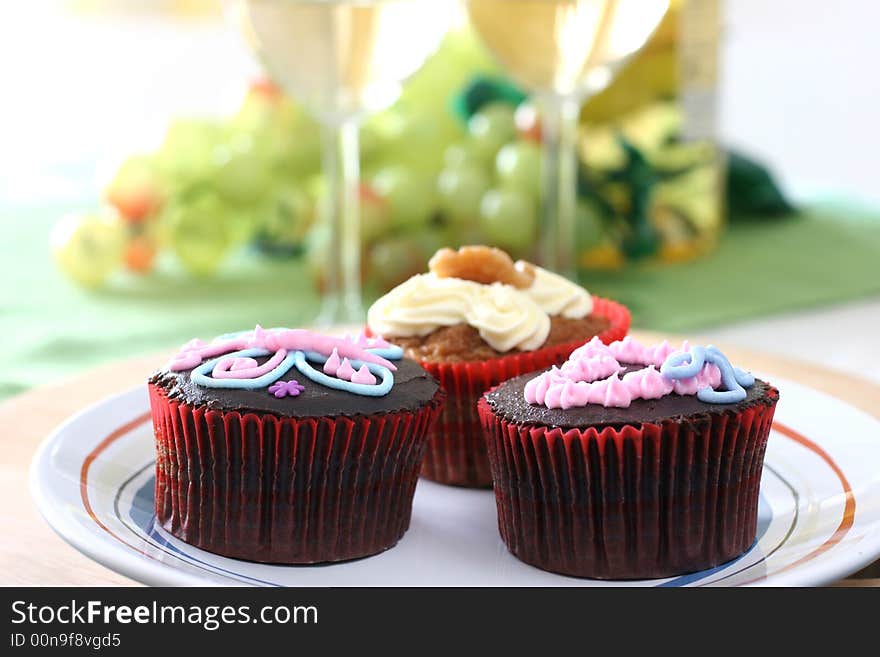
{"type": "Point", "coordinates": [801, 88]}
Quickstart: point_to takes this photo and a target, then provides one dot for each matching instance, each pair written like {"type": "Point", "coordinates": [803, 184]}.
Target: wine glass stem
{"type": "Point", "coordinates": [342, 302]}
{"type": "Point", "coordinates": [557, 241]}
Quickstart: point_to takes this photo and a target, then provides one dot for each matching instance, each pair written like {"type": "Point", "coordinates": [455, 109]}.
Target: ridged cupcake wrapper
{"type": "Point", "coordinates": [287, 490]}
{"type": "Point", "coordinates": [456, 451]}
{"type": "Point", "coordinates": [639, 502]}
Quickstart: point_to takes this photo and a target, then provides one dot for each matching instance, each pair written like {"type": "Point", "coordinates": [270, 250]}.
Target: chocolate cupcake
{"type": "Point", "coordinates": [476, 319]}
{"type": "Point", "coordinates": [254, 464]}
{"type": "Point", "coordinates": [629, 462]}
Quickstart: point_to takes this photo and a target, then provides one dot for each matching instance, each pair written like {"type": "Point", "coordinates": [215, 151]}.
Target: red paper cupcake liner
{"type": "Point", "coordinates": [639, 502]}
{"type": "Point", "coordinates": [456, 451]}
{"type": "Point", "coordinates": [286, 490]}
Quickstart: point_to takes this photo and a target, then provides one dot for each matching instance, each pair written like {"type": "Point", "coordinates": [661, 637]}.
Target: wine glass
{"type": "Point", "coordinates": [342, 59]}
{"type": "Point", "coordinates": [563, 51]}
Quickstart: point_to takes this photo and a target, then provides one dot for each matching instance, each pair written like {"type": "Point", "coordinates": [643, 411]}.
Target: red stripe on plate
{"type": "Point", "coordinates": [115, 435]}
{"type": "Point", "coordinates": [849, 507]}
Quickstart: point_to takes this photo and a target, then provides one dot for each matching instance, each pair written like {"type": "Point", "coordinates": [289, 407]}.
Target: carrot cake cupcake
{"type": "Point", "coordinates": [475, 319]}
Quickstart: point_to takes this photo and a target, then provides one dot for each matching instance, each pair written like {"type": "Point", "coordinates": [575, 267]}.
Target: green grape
{"type": "Point", "coordinates": [458, 235]}
{"type": "Point", "coordinates": [462, 153]}
{"type": "Point", "coordinates": [262, 103]}
{"type": "Point", "coordinates": [528, 123]}
{"type": "Point", "coordinates": [508, 218]}
{"type": "Point", "coordinates": [460, 55]}
{"type": "Point", "coordinates": [89, 247]}
{"type": "Point", "coordinates": [518, 165]}
{"type": "Point", "coordinates": [410, 196]}
{"type": "Point", "coordinates": [315, 186]}
{"type": "Point", "coordinates": [293, 144]}
{"type": "Point", "coordinates": [589, 225]}
{"type": "Point", "coordinates": [198, 232]}
{"type": "Point", "coordinates": [375, 210]}
{"type": "Point", "coordinates": [375, 214]}
{"type": "Point", "coordinates": [317, 243]}
{"type": "Point", "coordinates": [241, 175]}
{"type": "Point", "coordinates": [491, 128]}
{"type": "Point", "coordinates": [392, 261]}
{"type": "Point", "coordinates": [406, 139]}
{"type": "Point", "coordinates": [137, 189]}
{"type": "Point", "coordinates": [186, 154]}
{"type": "Point", "coordinates": [282, 133]}
{"type": "Point", "coordinates": [460, 190]}
{"type": "Point", "coordinates": [377, 131]}
{"type": "Point", "coordinates": [242, 223]}
{"type": "Point", "coordinates": [288, 216]}
{"type": "Point", "coordinates": [428, 242]}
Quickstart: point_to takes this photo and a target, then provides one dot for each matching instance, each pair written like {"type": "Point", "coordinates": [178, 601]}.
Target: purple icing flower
{"type": "Point", "coordinates": [284, 388]}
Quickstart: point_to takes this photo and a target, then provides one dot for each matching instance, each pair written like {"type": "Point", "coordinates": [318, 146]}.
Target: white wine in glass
{"type": "Point", "coordinates": [343, 59]}
{"type": "Point", "coordinates": [563, 51]}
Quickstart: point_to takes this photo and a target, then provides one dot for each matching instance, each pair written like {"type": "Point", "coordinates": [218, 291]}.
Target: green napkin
{"type": "Point", "coordinates": [828, 254]}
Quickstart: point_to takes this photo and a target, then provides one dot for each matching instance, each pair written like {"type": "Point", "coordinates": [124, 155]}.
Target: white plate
{"type": "Point", "coordinates": [819, 516]}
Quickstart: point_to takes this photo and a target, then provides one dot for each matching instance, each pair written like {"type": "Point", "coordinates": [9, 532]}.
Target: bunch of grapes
{"type": "Point", "coordinates": [431, 177]}
{"type": "Point", "coordinates": [255, 179]}
{"type": "Point", "coordinates": [479, 185]}
{"type": "Point", "coordinates": [211, 186]}
{"type": "Point", "coordinates": [457, 160]}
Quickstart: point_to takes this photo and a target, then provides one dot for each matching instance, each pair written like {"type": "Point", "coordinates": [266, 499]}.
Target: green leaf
{"type": "Point", "coordinates": [752, 191]}
{"type": "Point", "coordinates": [483, 90]}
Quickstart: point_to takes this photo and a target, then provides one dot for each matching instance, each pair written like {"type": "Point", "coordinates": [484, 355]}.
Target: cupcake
{"type": "Point", "coordinates": [287, 446]}
{"type": "Point", "coordinates": [475, 319]}
{"type": "Point", "coordinates": [629, 462]}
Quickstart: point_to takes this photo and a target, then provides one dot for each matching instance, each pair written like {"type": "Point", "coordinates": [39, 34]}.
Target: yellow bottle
{"type": "Point", "coordinates": [654, 181]}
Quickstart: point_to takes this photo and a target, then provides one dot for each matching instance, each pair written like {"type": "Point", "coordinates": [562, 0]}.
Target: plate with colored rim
{"type": "Point", "coordinates": [819, 512]}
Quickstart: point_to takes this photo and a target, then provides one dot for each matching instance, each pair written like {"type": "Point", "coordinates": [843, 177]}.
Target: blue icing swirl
{"type": "Point", "coordinates": [200, 376]}
{"type": "Point", "coordinates": [391, 352]}
{"type": "Point", "coordinates": [376, 390]}
{"type": "Point", "coordinates": [300, 360]}
{"type": "Point", "coordinates": [687, 364]}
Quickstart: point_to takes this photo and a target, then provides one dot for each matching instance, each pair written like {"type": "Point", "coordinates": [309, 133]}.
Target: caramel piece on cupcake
{"type": "Point", "coordinates": [481, 264]}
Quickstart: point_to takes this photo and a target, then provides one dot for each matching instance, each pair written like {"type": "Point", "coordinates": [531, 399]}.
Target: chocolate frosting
{"type": "Point", "coordinates": [413, 388]}
{"type": "Point", "coordinates": [508, 401]}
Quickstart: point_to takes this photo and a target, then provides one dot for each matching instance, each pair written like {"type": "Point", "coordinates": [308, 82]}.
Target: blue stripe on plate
{"type": "Point", "coordinates": [141, 514]}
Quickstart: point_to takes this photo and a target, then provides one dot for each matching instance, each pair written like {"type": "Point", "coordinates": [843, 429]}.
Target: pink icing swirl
{"type": "Point", "coordinates": [364, 376]}
{"type": "Point", "coordinates": [196, 352]}
{"type": "Point", "coordinates": [591, 375]}
{"type": "Point", "coordinates": [648, 383]}
{"type": "Point", "coordinates": [591, 349]}
{"type": "Point", "coordinates": [332, 364]}
{"type": "Point", "coordinates": [246, 368]}
{"type": "Point", "coordinates": [590, 369]}
{"type": "Point", "coordinates": [343, 369]}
